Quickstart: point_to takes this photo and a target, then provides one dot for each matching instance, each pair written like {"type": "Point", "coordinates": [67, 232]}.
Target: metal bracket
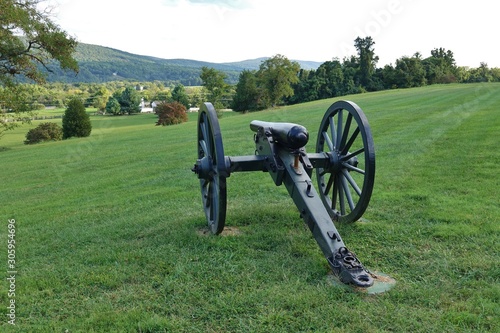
{"type": "Point", "coordinates": [349, 269]}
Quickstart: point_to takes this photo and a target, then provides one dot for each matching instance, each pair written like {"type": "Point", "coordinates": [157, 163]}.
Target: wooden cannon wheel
{"type": "Point", "coordinates": [346, 184]}
{"type": "Point", "coordinates": [213, 179]}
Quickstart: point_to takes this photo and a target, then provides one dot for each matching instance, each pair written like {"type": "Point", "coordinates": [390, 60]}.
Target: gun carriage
{"type": "Point", "coordinates": [344, 162]}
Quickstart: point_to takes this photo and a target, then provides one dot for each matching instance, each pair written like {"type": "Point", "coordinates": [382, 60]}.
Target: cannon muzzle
{"type": "Point", "coordinates": [289, 135]}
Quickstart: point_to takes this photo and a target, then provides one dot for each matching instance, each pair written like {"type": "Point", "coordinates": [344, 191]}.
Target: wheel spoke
{"type": "Point", "coordinates": [335, 192]}
{"type": "Point", "coordinates": [332, 130]}
{"type": "Point", "coordinates": [215, 205]}
{"type": "Point", "coordinates": [328, 141]}
{"type": "Point", "coordinates": [339, 128]}
{"type": "Point", "coordinates": [347, 192]}
{"type": "Point", "coordinates": [329, 185]}
{"type": "Point", "coordinates": [354, 135]}
{"type": "Point", "coordinates": [204, 147]}
{"type": "Point", "coordinates": [341, 197]}
{"type": "Point", "coordinates": [351, 181]}
{"type": "Point", "coordinates": [208, 194]}
{"type": "Point", "coordinates": [353, 168]}
{"type": "Point", "coordinates": [351, 155]}
{"type": "Point", "coordinates": [347, 127]}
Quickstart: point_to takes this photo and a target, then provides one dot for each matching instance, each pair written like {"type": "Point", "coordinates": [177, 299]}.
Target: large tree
{"type": "Point", "coordinates": [440, 66]}
{"type": "Point", "coordinates": [179, 95]}
{"type": "Point", "coordinates": [130, 101]}
{"type": "Point", "coordinates": [276, 76]}
{"type": "Point", "coordinates": [247, 96]}
{"type": "Point", "coordinates": [214, 82]}
{"type": "Point", "coordinates": [76, 122]}
{"type": "Point", "coordinates": [367, 59]}
{"type": "Point", "coordinates": [29, 41]}
{"type": "Point", "coordinates": [409, 72]}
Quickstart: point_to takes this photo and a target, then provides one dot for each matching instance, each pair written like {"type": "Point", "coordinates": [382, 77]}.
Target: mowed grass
{"type": "Point", "coordinates": [110, 228]}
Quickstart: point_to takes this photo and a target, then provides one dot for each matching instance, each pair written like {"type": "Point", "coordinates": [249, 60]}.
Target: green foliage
{"type": "Point", "coordinates": [76, 122]}
{"type": "Point", "coordinates": [100, 64]}
{"type": "Point", "coordinates": [409, 72]}
{"type": "Point", "coordinates": [100, 98]}
{"type": "Point", "coordinates": [269, 86]}
{"type": "Point", "coordinates": [276, 76]}
{"type": "Point", "coordinates": [214, 83]}
{"type": "Point", "coordinates": [113, 106]}
{"type": "Point", "coordinates": [30, 39]}
{"type": "Point", "coordinates": [171, 113]}
{"type": "Point", "coordinates": [44, 132]}
{"type": "Point", "coordinates": [179, 95]}
{"type": "Point", "coordinates": [367, 60]}
{"type": "Point", "coordinates": [129, 101]}
{"type": "Point", "coordinates": [248, 95]}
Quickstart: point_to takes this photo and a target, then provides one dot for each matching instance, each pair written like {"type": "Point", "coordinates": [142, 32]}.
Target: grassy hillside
{"type": "Point", "coordinates": [102, 64]}
{"type": "Point", "coordinates": [110, 228]}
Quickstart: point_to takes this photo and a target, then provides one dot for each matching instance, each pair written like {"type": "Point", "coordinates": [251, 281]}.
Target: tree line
{"type": "Point", "coordinates": [279, 81]}
{"type": "Point", "coordinates": [30, 42]}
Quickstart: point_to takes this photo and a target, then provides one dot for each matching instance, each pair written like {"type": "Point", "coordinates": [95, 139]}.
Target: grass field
{"type": "Point", "coordinates": [109, 229]}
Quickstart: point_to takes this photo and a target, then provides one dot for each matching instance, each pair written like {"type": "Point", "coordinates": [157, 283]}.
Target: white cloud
{"type": "Point", "coordinates": [225, 30]}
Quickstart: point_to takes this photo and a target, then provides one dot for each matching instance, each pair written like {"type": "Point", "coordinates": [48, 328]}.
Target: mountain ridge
{"type": "Point", "coordinates": [102, 64]}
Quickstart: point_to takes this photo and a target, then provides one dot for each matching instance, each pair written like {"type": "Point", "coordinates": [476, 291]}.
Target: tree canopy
{"type": "Point", "coordinates": [276, 75]}
{"type": "Point", "coordinates": [214, 82]}
{"type": "Point", "coordinates": [76, 122]}
{"type": "Point", "coordinates": [29, 39]}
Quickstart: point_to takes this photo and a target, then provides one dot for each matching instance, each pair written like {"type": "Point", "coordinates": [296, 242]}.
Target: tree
{"type": "Point", "coordinates": [332, 79]}
{"type": "Point", "coordinates": [409, 72]}
{"type": "Point", "coordinates": [100, 98]}
{"type": "Point", "coordinates": [276, 76]}
{"type": "Point", "coordinates": [130, 101]}
{"type": "Point", "coordinates": [171, 113]}
{"type": "Point", "coordinates": [247, 96]}
{"type": "Point", "coordinates": [306, 89]}
{"type": "Point", "coordinates": [367, 59]}
{"type": "Point", "coordinates": [76, 122]}
{"type": "Point", "coordinates": [214, 83]}
{"type": "Point", "coordinates": [440, 67]}
{"type": "Point", "coordinates": [29, 40]}
{"type": "Point", "coordinates": [44, 132]}
{"type": "Point", "coordinates": [179, 95]}
{"type": "Point", "coordinates": [113, 106]}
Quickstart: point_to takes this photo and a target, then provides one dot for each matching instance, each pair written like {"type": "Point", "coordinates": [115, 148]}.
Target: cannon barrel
{"type": "Point", "coordinates": [289, 135]}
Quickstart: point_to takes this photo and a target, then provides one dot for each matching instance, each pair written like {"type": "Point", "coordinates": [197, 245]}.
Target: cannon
{"type": "Point", "coordinates": [345, 171]}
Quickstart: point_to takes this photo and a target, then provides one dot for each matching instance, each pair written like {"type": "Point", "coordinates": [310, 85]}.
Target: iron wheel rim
{"type": "Point", "coordinates": [346, 184]}
{"type": "Point", "coordinates": [213, 186]}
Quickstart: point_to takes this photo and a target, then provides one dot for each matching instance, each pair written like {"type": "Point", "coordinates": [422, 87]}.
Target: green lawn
{"type": "Point", "coordinates": [109, 228]}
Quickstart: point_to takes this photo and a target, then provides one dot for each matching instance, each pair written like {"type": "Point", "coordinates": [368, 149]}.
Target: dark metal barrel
{"type": "Point", "coordinates": [289, 135]}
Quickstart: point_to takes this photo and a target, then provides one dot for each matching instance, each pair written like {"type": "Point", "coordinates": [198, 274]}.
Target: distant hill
{"type": "Point", "coordinates": [102, 64]}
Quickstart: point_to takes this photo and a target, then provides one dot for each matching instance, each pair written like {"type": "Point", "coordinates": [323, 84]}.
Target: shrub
{"type": "Point", "coordinates": [76, 122]}
{"type": "Point", "coordinates": [171, 113]}
{"type": "Point", "coordinates": [44, 132]}
{"type": "Point", "coordinates": [113, 106]}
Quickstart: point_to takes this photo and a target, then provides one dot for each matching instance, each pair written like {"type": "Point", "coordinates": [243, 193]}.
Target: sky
{"type": "Point", "coordinates": [316, 30]}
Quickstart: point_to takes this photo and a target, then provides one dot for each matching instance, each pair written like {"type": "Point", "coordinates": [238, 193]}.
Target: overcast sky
{"type": "Point", "coordinates": [317, 30]}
